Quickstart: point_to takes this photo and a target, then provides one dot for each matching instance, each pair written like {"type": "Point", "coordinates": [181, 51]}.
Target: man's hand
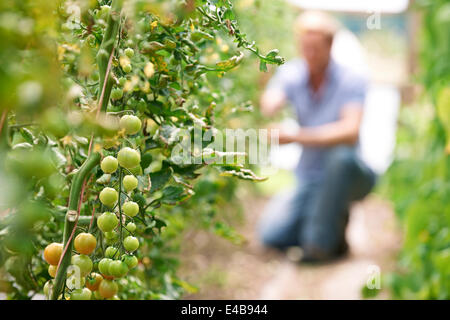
{"type": "Point", "coordinates": [343, 131]}
{"type": "Point", "coordinates": [285, 134]}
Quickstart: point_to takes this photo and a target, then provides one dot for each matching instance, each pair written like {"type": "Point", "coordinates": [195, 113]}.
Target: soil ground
{"type": "Point", "coordinates": [222, 270]}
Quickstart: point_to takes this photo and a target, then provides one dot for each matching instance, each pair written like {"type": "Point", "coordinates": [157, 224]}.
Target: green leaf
{"type": "Point", "coordinates": [173, 194]}
{"type": "Point", "coordinates": [160, 178]}
{"type": "Point", "coordinates": [262, 66]}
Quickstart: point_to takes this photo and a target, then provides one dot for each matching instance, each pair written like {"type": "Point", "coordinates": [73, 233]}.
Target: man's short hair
{"type": "Point", "coordinates": [316, 21]}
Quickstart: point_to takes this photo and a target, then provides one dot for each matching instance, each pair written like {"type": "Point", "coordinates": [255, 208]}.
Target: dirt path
{"type": "Point", "coordinates": [225, 271]}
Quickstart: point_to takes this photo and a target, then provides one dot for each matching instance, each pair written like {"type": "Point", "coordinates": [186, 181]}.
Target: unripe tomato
{"type": "Point", "coordinates": [129, 183]}
{"type": "Point", "coordinates": [118, 268]}
{"type": "Point", "coordinates": [109, 164]}
{"type": "Point", "coordinates": [131, 227]}
{"type": "Point", "coordinates": [130, 123]}
{"type": "Point", "coordinates": [84, 263]}
{"type": "Point", "coordinates": [111, 252]}
{"type": "Point", "coordinates": [52, 253]}
{"type": "Point", "coordinates": [103, 12]}
{"type": "Point", "coordinates": [85, 243]}
{"type": "Point", "coordinates": [131, 243]}
{"type": "Point", "coordinates": [116, 94]}
{"type": "Point", "coordinates": [130, 260]}
{"type": "Point", "coordinates": [93, 281]}
{"type": "Point", "coordinates": [108, 196]}
{"type": "Point", "coordinates": [111, 235]}
{"type": "Point", "coordinates": [127, 68]}
{"type": "Point", "coordinates": [122, 81]}
{"type": "Point", "coordinates": [81, 294]}
{"type": "Point", "coordinates": [52, 270]}
{"type": "Point", "coordinates": [107, 221]}
{"type": "Point", "coordinates": [130, 208]}
{"type": "Point", "coordinates": [103, 266]}
{"type": "Point", "coordinates": [129, 158]}
{"type": "Point", "coordinates": [114, 298]}
{"type": "Point", "coordinates": [129, 52]}
{"type": "Point", "coordinates": [108, 288]}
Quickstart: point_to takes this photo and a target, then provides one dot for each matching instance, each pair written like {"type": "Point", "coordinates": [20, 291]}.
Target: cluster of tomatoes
{"type": "Point", "coordinates": [82, 283]}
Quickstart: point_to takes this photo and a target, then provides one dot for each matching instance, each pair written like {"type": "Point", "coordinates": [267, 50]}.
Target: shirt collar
{"type": "Point", "coordinates": [331, 72]}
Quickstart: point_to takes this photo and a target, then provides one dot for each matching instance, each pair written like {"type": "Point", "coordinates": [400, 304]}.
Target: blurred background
{"type": "Point", "coordinates": [399, 235]}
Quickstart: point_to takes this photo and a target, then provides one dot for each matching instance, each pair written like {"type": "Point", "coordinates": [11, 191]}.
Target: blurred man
{"type": "Point", "coordinates": [328, 100]}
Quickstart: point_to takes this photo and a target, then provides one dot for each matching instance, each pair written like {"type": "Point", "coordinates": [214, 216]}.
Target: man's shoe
{"type": "Point", "coordinates": [312, 254]}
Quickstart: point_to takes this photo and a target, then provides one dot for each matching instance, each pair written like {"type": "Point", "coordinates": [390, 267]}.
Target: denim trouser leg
{"type": "Point", "coordinates": [283, 216]}
{"type": "Point", "coordinates": [346, 179]}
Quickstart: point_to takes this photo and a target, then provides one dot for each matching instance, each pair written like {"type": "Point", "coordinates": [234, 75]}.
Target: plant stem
{"type": "Point", "coordinates": [104, 58]}
{"type": "Point", "coordinates": [71, 219]}
{"type": "Point", "coordinates": [106, 50]}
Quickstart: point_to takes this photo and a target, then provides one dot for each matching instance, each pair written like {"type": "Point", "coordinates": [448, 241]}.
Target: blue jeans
{"type": "Point", "coordinates": [316, 213]}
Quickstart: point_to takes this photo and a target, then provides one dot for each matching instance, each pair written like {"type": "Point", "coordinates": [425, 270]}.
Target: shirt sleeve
{"type": "Point", "coordinates": [285, 79]}
{"type": "Point", "coordinates": [355, 91]}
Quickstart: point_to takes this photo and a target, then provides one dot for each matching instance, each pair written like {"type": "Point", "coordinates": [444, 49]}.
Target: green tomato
{"type": "Point", "coordinates": [81, 294]}
{"type": "Point", "coordinates": [103, 12]}
{"type": "Point", "coordinates": [129, 52]}
{"type": "Point", "coordinates": [103, 266]}
{"type": "Point", "coordinates": [129, 183]}
{"type": "Point", "coordinates": [129, 158]}
{"type": "Point", "coordinates": [127, 68]}
{"type": "Point", "coordinates": [111, 252]}
{"type": "Point", "coordinates": [131, 227]}
{"type": "Point", "coordinates": [130, 123]}
{"type": "Point", "coordinates": [108, 196]}
{"type": "Point", "coordinates": [130, 260]}
{"type": "Point", "coordinates": [109, 164]}
{"type": "Point", "coordinates": [116, 94]}
{"type": "Point", "coordinates": [111, 235]}
{"type": "Point", "coordinates": [107, 222]}
{"type": "Point", "coordinates": [122, 81]}
{"type": "Point", "coordinates": [130, 208]}
{"type": "Point", "coordinates": [131, 243]}
{"type": "Point", "coordinates": [83, 262]}
{"type": "Point", "coordinates": [118, 268]}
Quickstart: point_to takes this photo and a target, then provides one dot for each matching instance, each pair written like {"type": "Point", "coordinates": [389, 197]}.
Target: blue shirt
{"type": "Point", "coordinates": [341, 87]}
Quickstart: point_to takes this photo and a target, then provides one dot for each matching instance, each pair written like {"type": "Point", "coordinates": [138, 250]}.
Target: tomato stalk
{"type": "Point", "coordinates": [105, 52]}
{"type": "Point", "coordinates": [104, 60]}
{"type": "Point", "coordinates": [71, 220]}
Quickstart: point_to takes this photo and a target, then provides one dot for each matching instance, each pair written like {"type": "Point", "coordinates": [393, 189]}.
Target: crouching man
{"type": "Point", "coordinates": [328, 100]}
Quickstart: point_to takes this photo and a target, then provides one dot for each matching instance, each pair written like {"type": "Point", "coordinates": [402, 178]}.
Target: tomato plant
{"type": "Point", "coordinates": [418, 180]}
{"type": "Point", "coordinates": [90, 107]}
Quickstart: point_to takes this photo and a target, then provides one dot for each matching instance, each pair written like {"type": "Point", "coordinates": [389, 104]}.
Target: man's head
{"type": "Point", "coordinates": [315, 31]}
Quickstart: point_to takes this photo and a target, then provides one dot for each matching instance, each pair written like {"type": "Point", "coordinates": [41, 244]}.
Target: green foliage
{"type": "Point", "coordinates": [64, 61]}
{"type": "Point", "coordinates": [419, 180]}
